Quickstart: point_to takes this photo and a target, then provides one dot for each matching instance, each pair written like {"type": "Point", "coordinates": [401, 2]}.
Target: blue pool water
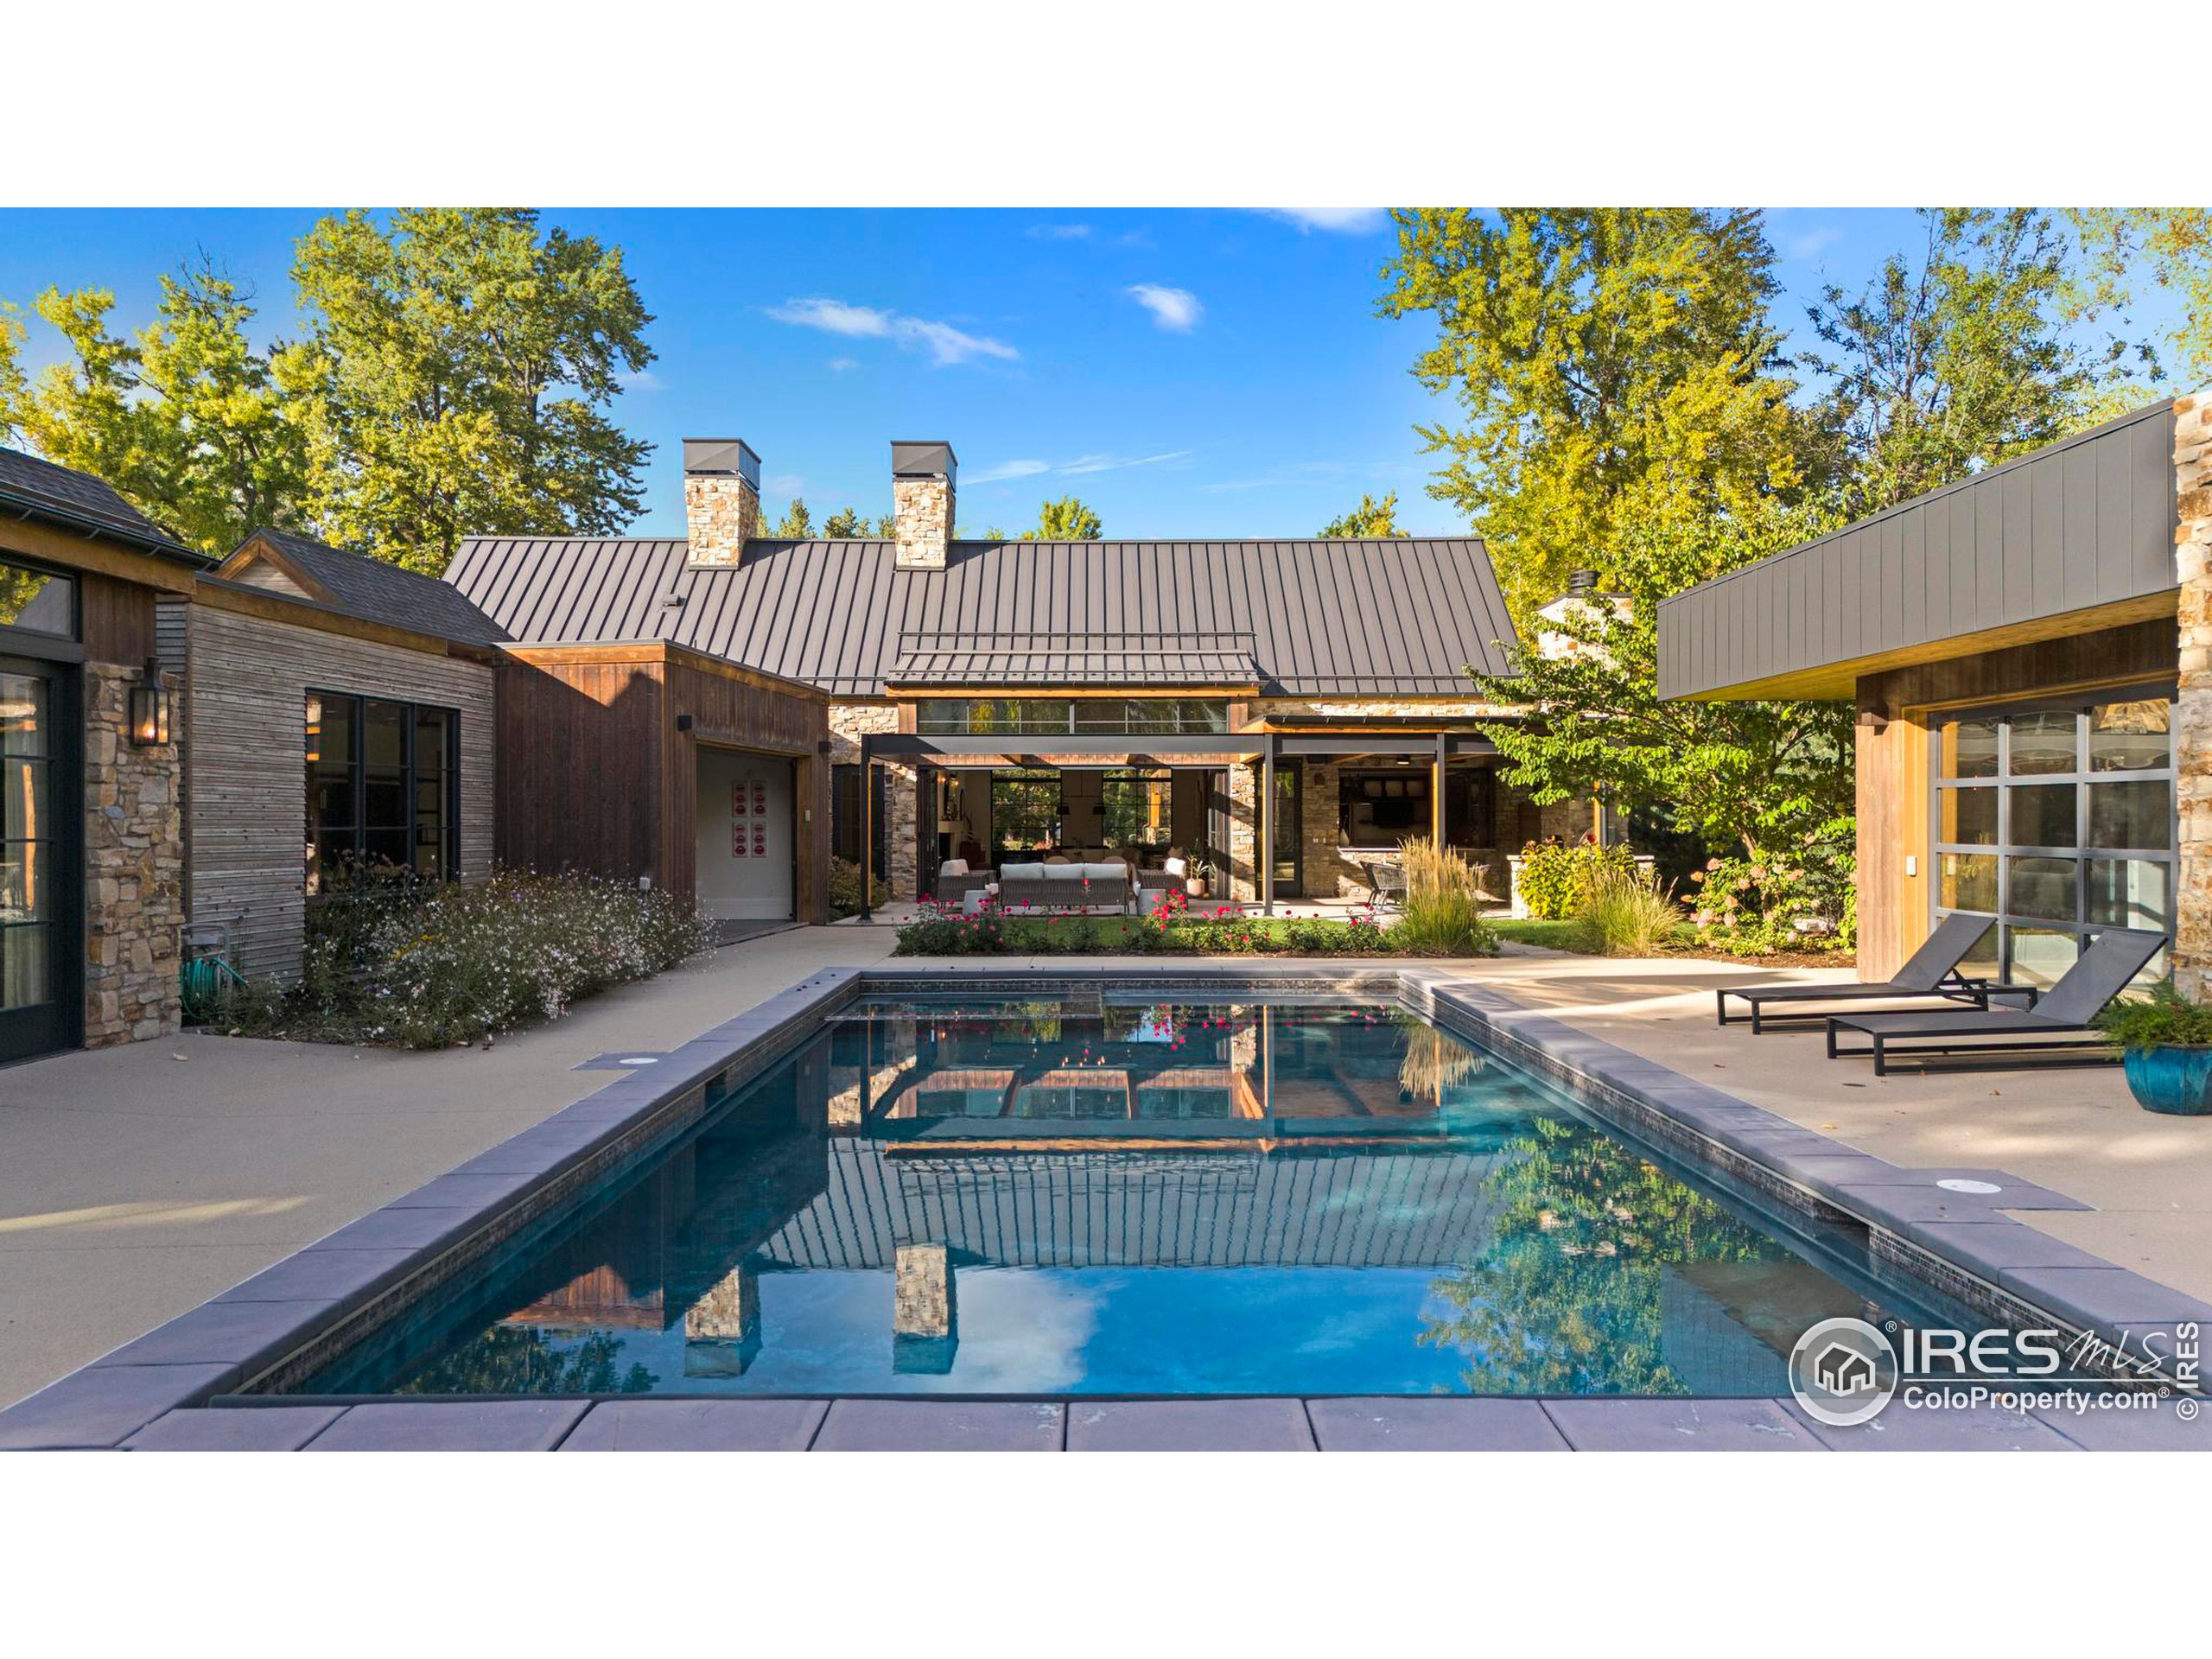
{"type": "Point", "coordinates": [1251, 1198]}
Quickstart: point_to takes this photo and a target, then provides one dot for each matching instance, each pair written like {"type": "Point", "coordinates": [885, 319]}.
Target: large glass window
{"type": "Point", "coordinates": [1139, 808]}
{"type": "Point", "coordinates": [1046, 717]}
{"type": "Point", "coordinates": [1025, 810]}
{"type": "Point", "coordinates": [38, 602]}
{"type": "Point", "coordinates": [2057, 821]}
{"type": "Point", "coordinates": [1380, 809]}
{"type": "Point", "coordinates": [382, 779]}
{"type": "Point", "coordinates": [28, 843]}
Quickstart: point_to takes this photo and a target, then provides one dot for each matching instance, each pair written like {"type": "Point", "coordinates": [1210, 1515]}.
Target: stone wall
{"type": "Point", "coordinates": [134, 868]}
{"type": "Point", "coordinates": [848, 722]}
{"type": "Point", "coordinates": [922, 508]}
{"type": "Point", "coordinates": [722, 512]}
{"type": "Point", "coordinates": [2193, 711]}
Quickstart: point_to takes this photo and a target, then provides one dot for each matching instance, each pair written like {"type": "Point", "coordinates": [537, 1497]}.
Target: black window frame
{"type": "Point", "coordinates": [72, 585]}
{"type": "Point", "coordinates": [1049, 716]}
{"type": "Point", "coordinates": [314, 861]}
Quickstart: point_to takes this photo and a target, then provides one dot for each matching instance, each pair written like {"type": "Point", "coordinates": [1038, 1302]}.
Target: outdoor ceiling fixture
{"type": "Point", "coordinates": [150, 710]}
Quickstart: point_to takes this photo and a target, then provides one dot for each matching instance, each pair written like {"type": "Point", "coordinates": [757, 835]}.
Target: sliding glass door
{"type": "Point", "coordinates": [40, 836]}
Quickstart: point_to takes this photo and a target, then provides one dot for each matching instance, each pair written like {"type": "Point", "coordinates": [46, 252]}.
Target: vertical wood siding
{"type": "Point", "coordinates": [246, 794]}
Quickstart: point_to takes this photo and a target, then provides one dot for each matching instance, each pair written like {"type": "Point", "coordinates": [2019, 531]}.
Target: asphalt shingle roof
{"type": "Point", "coordinates": [77, 501]}
{"type": "Point", "coordinates": [1402, 616]}
{"type": "Point", "coordinates": [377, 592]}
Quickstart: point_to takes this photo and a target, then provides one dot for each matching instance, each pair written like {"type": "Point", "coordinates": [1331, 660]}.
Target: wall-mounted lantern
{"type": "Point", "coordinates": [150, 710]}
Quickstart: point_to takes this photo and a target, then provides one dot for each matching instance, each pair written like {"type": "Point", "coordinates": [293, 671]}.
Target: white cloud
{"type": "Point", "coordinates": [1176, 309]}
{"type": "Point", "coordinates": [1345, 221]}
{"type": "Point", "coordinates": [843, 364]}
{"type": "Point", "coordinates": [944, 343]}
{"type": "Point", "coordinates": [1804, 244]}
{"type": "Point", "coordinates": [1007, 469]}
{"type": "Point", "coordinates": [1061, 233]}
{"type": "Point", "coordinates": [784, 483]}
{"type": "Point", "coordinates": [1080, 467]}
{"type": "Point", "coordinates": [641, 380]}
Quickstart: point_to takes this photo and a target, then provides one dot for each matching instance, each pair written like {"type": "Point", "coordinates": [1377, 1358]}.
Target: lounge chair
{"type": "Point", "coordinates": [1386, 885]}
{"type": "Point", "coordinates": [2104, 971]}
{"type": "Point", "coordinates": [1931, 971]}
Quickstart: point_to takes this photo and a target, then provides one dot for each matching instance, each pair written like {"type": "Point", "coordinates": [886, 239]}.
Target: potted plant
{"type": "Point", "coordinates": [1198, 882]}
{"type": "Point", "coordinates": [2165, 1045]}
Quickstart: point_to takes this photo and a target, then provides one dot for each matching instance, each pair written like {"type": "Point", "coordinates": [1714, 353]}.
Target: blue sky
{"type": "Point", "coordinates": [1201, 373]}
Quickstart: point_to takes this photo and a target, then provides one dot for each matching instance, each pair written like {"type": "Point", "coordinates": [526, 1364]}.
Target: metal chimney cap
{"type": "Point", "coordinates": [922, 458]}
{"type": "Point", "coordinates": [1581, 581]}
{"type": "Point", "coordinates": [721, 457]}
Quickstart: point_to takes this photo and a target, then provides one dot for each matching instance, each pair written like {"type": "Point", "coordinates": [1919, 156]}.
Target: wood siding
{"type": "Point", "coordinates": [594, 775]}
{"type": "Point", "coordinates": [246, 801]}
{"type": "Point", "coordinates": [1898, 710]}
{"type": "Point", "coordinates": [2081, 524]}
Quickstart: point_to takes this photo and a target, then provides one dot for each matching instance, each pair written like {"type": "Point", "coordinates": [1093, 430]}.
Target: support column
{"type": "Point", "coordinates": [2192, 955]}
{"type": "Point", "coordinates": [1436, 826]}
{"type": "Point", "coordinates": [1268, 828]}
{"type": "Point", "coordinates": [867, 825]}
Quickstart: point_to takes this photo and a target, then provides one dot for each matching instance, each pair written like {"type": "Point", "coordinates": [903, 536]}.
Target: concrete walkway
{"type": "Point", "coordinates": [137, 1182]}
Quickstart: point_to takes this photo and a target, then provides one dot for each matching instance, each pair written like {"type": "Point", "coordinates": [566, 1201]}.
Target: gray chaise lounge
{"type": "Point", "coordinates": [2104, 971]}
{"type": "Point", "coordinates": [1931, 971]}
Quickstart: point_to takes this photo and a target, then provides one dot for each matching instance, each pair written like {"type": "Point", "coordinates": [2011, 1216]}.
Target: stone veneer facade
{"type": "Point", "coordinates": [2192, 956]}
{"type": "Point", "coordinates": [722, 512]}
{"type": "Point", "coordinates": [848, 722]}
{"type": "Point", "coordinates": [134, 868]}
{"type": "Point", "coordinates": [922, 509]}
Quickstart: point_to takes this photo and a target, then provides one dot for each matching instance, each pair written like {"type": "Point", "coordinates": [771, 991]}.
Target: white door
{"type": "Point", "coordinates": [744, 815]}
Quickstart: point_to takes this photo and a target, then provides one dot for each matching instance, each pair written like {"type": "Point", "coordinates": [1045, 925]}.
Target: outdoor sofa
{"type": "Point", "coordinates": [1065, 886]}
{"type": "Point", "coordinates": [2103, 971]}
{"type": "Point", "coordinates": [1932, 971]}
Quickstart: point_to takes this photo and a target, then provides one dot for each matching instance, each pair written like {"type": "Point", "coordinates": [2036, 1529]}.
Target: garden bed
{"type": "Point", "coordinates": [1565, 934]}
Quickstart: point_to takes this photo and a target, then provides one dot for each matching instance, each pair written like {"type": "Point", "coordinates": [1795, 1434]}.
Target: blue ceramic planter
{"type": "Point", "coordinates": [2173, 1080]}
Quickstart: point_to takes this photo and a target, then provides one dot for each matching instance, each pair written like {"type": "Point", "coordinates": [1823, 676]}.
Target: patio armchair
{"type": "Point", "coordinates": [2101, 972]}
{"type": "Point", "coordinates": [955, 880]}
{"type": "Point", "coordinates": [1386, 882]}
{"type": "Point", "coordinates": [1931, 971]}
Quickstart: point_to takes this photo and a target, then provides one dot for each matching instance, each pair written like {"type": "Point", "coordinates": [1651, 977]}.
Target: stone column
{"type": "Point", "coordinates": [901, 788]}
{"type": "Point", "coordinates": [722, 498]}
{"type": "Point", "coordinates": [134, 867]}
{"type": "Point", "coordinates": [721, 1330]}
{"type": "Point", "coordinates": [2192, 956]}
{"type": "Point", "coordinates": [1244, 833]}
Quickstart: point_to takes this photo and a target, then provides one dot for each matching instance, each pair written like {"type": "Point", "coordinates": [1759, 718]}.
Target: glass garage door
{"type": "Point", "coordinates": [2057, 821]}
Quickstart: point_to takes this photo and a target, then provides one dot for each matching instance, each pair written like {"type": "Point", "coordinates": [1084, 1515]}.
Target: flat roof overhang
{"type": "Point", "coordinates": [2070, 539]}
{"type": "Point", "coordinates": [1839, 681]}
{"type": "Point", "coordinates": [1212, 748]}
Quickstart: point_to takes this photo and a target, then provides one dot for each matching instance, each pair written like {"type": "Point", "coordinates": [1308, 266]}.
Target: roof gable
{"type": "Point", "coordinates": [359, 586]}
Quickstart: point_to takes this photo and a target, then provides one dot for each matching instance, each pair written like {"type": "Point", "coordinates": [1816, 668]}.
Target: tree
{"type": "Point", "coordinates": [1370, 518]}
{"type": "Point", "coordinates": [465, 366]}
{"type": "Point", "coordinates": [798, 523]}
{"type": "Point", "coordinates": [1065, 520]}
{"type": "Point", "coordinates": [846, 526]}
{"type": "Point", "coordinates": [1956, 358]}
{"type": "Point", "coordinates": [189, 422]}
{"type": "Point", "coordinates": [1595, 351]}
{"type": "Point", "coordinates": [1758, 775]}
{"type": "Point", "coordinates": [2169, 247]}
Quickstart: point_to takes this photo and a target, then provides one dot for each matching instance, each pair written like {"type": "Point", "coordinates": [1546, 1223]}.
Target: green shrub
{"type": "Point", "coordinates": [1442, 911]}
{"type": "Point", "coordinates": [845, 888]}
{"type": "Point", "coordinates": [1805, 898]}
{"type": "Point", "coordinates": [2164, 1019]}
{"type": "Point", "coordinates": [1626, 913]}
{"type": "Point", "coordinates": [430, 967]}
{"type": "Point", "coordinates": [1556, 879]}
{"type": "Point", "coordinates": [947, 930]}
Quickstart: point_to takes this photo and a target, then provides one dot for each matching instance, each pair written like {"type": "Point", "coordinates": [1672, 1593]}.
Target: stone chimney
{"type": "Point", "coordinates": [722, 498]}
{"type": "Point", "coordinates": [921, 502]}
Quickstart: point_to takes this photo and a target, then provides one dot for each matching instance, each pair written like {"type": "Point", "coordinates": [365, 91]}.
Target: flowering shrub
{"type": "Point", "coordinates": [945, 929]}
{"type": "Point", "coordinates": [440, 965]}
{"type": "Point", "coordinates": [1176, 927]}
{"type": "Point", "coordinates": [1802, 899]}
{"type": "Point", "coordinates": [1556, 881]}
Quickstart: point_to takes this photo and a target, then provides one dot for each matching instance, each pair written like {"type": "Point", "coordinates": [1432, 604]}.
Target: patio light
{"type": "Point", "coordinates": [150, 710]}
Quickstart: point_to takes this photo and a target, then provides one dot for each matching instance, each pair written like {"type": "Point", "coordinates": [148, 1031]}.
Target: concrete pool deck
{"type": "Point", "coordinates": [131, 1251]}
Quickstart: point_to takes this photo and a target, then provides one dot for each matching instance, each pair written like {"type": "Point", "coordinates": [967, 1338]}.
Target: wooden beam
{"type": "Point", "coordinates": [75, 552]}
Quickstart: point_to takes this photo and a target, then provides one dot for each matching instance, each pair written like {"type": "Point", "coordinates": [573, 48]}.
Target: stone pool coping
{"type": "Point", "coordinates": [283, 1324]}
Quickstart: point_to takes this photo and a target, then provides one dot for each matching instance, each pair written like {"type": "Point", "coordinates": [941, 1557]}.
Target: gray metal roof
{"type": "Point", "coordinates": [2083, 524]}
{"type": "Point", "coordinates": [983, 659]}
{"type": "Point", "coordinates": [1400, 616]}
{"type": "Point", "coordinates": [76, 501]}
{"type": "Point", "coordinates": [379, 592]}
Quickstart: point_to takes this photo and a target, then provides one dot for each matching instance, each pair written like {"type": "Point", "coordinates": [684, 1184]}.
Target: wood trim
{"type": "Point", "coordinates": [2039, 694]}
{"type": "Point", "coordinates": [269, 606]}
{"type": "Point", "coordinates": [1152, 691]}
{"type": "Point", "coordinates": [73, 552]}
{"type": "Point", "coordinates": [661, 652]}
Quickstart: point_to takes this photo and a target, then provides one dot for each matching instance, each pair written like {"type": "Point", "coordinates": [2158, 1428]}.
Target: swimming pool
{"type": "Point", "coordinates": [1093, 1192]}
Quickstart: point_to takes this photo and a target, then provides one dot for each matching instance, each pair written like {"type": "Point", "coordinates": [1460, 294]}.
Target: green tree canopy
{"type": "Point", "coordinates": [464, 368]}
{"type": "Point", "coordinates": [2126, 249]}
{"type": "Point", "coordinates": [1956, 357]}
{"type": "Point", "coordinates": [1595, 351]}
{"type": "Point", "coordinates": [846, 526]}
{"type": "Point", "coordinates": [1753, 774]}
{"type": "Point", "coordinates": [1370, 518]}
{"type": "Point", "coordinates": [797, 524]}
{"type": "Point", "coordinates": [192, 423]}
{"type": "Point", "coordinates": [1065, 520]}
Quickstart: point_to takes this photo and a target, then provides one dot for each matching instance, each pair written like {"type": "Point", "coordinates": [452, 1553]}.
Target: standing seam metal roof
{"type": "Point", "coordinates": [1402, 616]}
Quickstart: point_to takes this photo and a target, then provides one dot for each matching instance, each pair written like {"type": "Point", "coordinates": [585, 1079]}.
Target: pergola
{"type": "Point", "coordinates": [1220, 748]}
